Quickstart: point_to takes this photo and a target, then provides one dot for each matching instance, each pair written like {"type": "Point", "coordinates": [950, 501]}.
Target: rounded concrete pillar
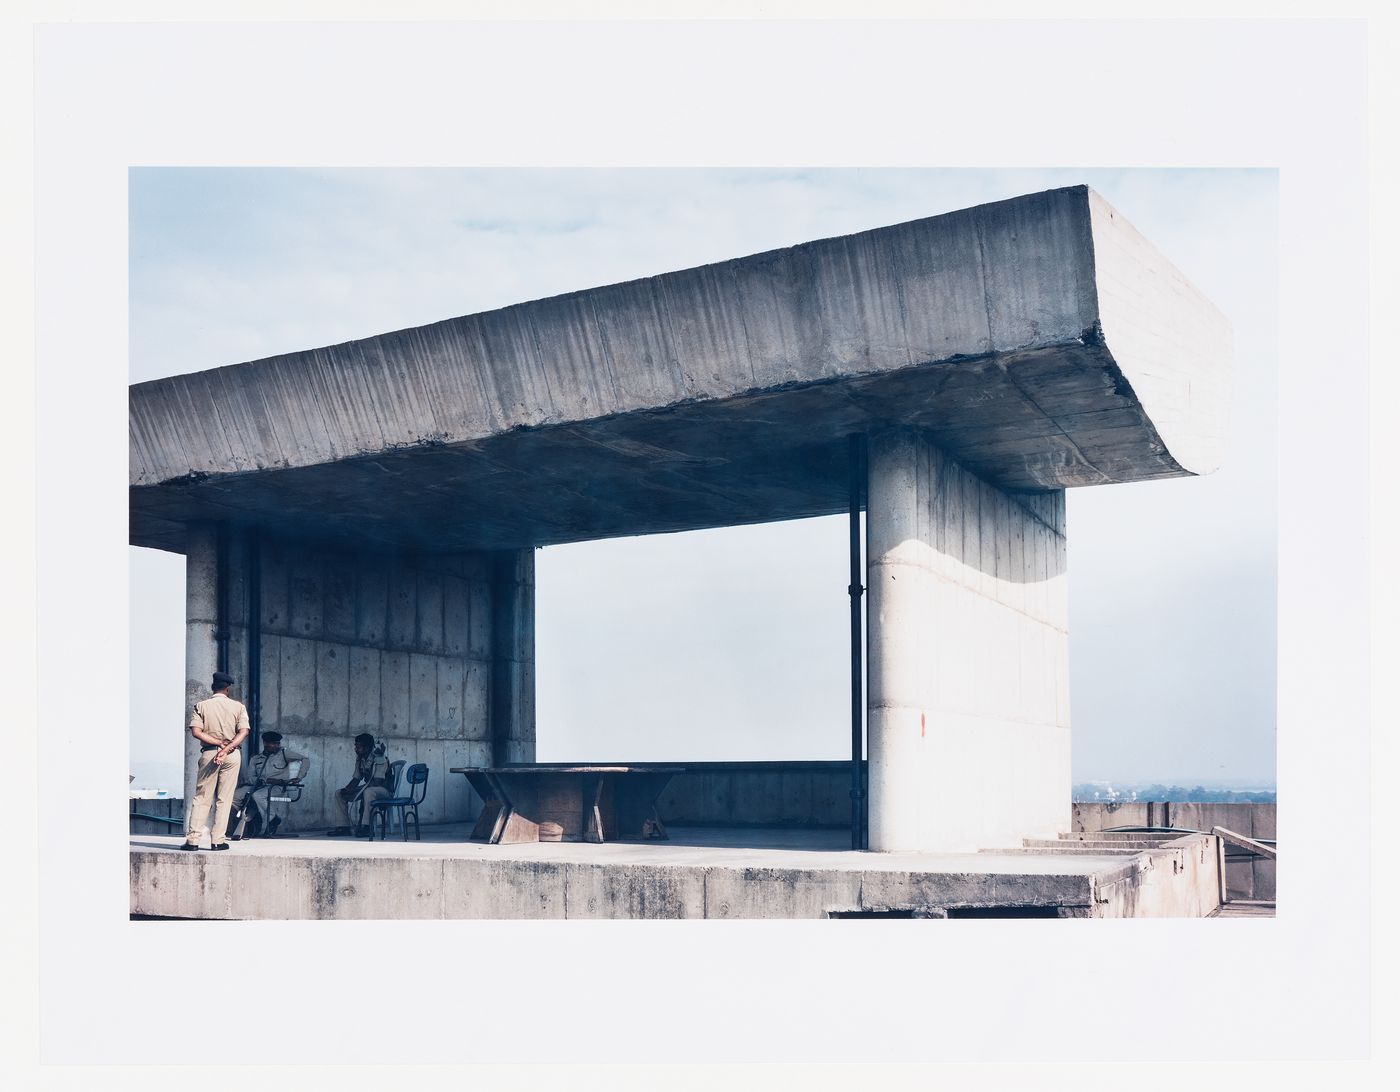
{"type": "Point", "coordinates": [201, 624]}
{"type": "Point", "coordinates": [894, 581]}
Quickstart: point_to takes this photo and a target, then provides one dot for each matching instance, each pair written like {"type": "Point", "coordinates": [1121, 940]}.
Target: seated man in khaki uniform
{"type": "Point", "coordinates": [370, 783]}
{"type": "Point", "coordinates": [221, 725]}
{"type": "Point", "coordinates": [265, 771]}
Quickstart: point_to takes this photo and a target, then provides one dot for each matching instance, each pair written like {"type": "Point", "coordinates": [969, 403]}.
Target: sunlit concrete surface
{"type": "Point", "coordinates": [698, 873]}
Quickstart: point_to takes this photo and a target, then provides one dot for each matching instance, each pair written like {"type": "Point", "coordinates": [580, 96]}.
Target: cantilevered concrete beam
{"type": "Point", "coordinates": [1040, 342]}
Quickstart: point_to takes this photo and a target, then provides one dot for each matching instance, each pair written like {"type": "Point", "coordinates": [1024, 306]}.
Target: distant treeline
{"type": "Point", "coordinates": [1199, 794]}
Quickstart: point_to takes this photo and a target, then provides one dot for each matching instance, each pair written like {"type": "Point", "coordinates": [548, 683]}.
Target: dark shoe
{"type": "Point", "coordinates": [221, 845]}
{"type": "Point", "coordinates": [272, 828]}
{"type": "Point", "coordinates": [189, 846]}
{"type": "Point", "coordinates": [362, 832]}
{"type": "Point", "coordinates": [235, 837]}
{"type": "Point", "coordinates": [339, 832]}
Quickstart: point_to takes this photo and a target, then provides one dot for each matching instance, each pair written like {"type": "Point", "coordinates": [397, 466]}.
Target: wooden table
{"type": "Point", "coordinates": [589, 803]}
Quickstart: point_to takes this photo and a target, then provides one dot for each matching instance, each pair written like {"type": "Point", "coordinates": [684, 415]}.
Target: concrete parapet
{"type": "Point", "coordinates": [443, 879]}
{"type": "Point", "coordinates": [1247, 877]}
{"type": "Point", "coordinates": [759, 794]}
{"type": "Point", "coordinates": [157, 815]}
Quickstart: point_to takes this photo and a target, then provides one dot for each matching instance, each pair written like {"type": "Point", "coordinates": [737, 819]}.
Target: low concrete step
{"type": "Point", "coordinates": [1246, 908]}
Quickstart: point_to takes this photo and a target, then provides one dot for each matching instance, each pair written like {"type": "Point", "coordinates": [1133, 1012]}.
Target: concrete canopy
{"type": "Point", "coordinates": [1040, 341]}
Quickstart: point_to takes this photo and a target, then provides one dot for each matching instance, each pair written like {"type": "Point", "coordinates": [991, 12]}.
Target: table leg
{"type": "Point", "coordinates": [516, 829]}
{"type": "Point", "coordinates": [635, 796]}
{"type": "Point", "coordinates": [593, 827]}
{"type": "Point", "coordinates": [494, 809]}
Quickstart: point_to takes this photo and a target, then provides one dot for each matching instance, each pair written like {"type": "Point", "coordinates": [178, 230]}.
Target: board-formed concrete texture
{"type": "Point", "coordinates": [389, 492]}
{"type": "Point", "coordinates": [1040, 341]}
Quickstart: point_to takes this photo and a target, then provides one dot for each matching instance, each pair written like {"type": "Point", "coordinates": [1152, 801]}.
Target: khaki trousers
{"type": "Point", "coordinates": [372, 792]}
{"type": "Point", "coordinates": [213, 784]}
{"type": "Point", "coordinates": [262, 799]}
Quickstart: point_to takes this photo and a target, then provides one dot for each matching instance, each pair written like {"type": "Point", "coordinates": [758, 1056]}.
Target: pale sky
{"type": "Point", "coordinates": [732, 643]}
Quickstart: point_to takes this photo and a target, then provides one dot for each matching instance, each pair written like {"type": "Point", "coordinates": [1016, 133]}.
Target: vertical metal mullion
{"type": "Point", "coordinates": [856, 467]}
{"type": "Point", "coordinates": [254, 563]}
{"type": "Point", "coordinates": [221, 593]}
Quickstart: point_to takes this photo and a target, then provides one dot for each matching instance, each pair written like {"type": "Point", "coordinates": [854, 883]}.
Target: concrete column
{"type": "Point", "coordinates": [513, 656]}
{"type": "Point", "coordinates": [201, 623]}
{"type": "Point", "coordinates": [968, 709]}
{"type": "Point", "coordinates": [894, 642]}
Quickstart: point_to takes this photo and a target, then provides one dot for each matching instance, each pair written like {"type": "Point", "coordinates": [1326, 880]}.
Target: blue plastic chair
{"type": "Point", "coordinates": [403, 806]}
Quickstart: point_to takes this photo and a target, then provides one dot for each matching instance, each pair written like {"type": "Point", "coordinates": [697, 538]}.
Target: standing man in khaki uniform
{"type": "Point", "coordinates": [221, 725]}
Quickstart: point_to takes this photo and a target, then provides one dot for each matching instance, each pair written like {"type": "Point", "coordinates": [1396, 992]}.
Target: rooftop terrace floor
{"type": "Point", "coordinates": [686, 846]}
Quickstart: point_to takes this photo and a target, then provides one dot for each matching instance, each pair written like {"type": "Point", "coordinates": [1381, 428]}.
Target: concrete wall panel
{"type": "Point", "coordinates": [403, 607]}
{"type": "Point", "coordinates": [370, 650]}
{"type": "Point", "coordinates": [451, 674]}
{"type": "Point", "coordinates": [1089, 817]}
{"type": "Point", "coordinates": [270, 681]}
{"type": "Point", "coordinates": [796, 793]}
{"type": "Point", "coordinates": [338, 609]}
{"type": "Point", "coordinates": [276, 611]}
{"type": "Point", "coordinates": [296, 705]}
{"type": "Point", "coordinates": [476, 700]}
{"type": "Point", "coordinates": [396, 703]}
{"type": "Point", "coordinates": [306, 593]}
{"type": "Point", "coordinates": [1266, 880]}
{"type": "Point", "coordinates": [434, 754]}
{"type": "Point", "coordinates": [430, 611]}
{"type": "Point", "coordinates": [831, 795]}
{"type": "Point", "coordinates": [479, 617]}
{"type": "Point", "coordinates": [372, 602]}
{"type": "Point", "coordinates": [456, 616]}
{"type": "Point", "coordinates": [238, 660]}
{"type": "Point", "coordinates": [364, 699]}
{"type": "Point", "coordinates": [332, 688]}
{"type": "Point", "coordinates": [238, 579]}
{"type": "Point", "coordinates": [423, 693]}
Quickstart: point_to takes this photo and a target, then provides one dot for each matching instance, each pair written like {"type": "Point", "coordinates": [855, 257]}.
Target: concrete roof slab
{"type": "Point", "coordinates": [1041, 341]}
